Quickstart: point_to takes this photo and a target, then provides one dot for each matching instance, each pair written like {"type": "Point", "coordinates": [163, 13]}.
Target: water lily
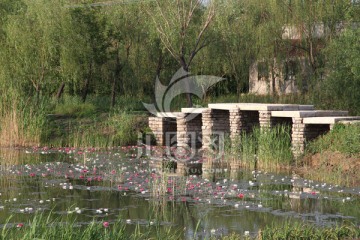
{"type": "Point", "coordinates": [106, 224]}
{"type": "Point", "coordinates": [241, 195]}
{"type": "Point", "coordinates": [19, 225]}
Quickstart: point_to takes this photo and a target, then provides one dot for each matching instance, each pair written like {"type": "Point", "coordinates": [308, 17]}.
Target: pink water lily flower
{"type": "Point", "coordinates": [106, 224]}
{"type": "Point", "coordinates": [19, 225]}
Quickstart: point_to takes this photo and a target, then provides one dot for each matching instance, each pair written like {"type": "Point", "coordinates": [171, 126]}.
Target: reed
{"type": "Point", "coordinates": [47, 226]}
{"type": "Point", "coordinates": [21, 122]}
{"type": "Point", "coordinates": [342, 138]}
{"type": "Point", "coordinates": [306, 231]}
{"type": "Point", "coordinates": [267, 148]}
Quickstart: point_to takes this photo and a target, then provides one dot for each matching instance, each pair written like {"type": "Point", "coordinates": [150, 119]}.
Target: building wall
{"type": "Point", "coordinates": [264, 85]}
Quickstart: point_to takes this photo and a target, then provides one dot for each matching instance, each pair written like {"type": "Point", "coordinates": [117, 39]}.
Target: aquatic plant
{"type": "Point", "coordinates": [21, 121]}
{"type": "Point", "coordinates": [342, 138]}
{"type": "Point", "coordinates": [306, 231]}
{"type": "Point", "coordinates": [47, 226]}
{"type": "Point", "coordinates": [266, 148]}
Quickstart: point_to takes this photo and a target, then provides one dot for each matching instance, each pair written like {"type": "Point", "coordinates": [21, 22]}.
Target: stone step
{"type": "Point", "coordinates": [306, 114]}
{"type": "Point", "coordinates": [330, 120]}
{"type": "Point", "coordinates": [260, 106]}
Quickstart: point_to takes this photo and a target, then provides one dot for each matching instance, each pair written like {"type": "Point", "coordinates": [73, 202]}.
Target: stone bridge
{"type": "Point", "coordinates": [196, 127]}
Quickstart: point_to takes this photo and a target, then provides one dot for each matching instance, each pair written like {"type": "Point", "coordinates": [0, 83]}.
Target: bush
{"type": "Point", "coordinates": [127, 128]}
{"type": "Point", "coordinates": [344, 139]}
{"type": "Point", "coordinates": [271, 147]}
{"type": "Point", "coordinates": [341, 87]}
{"type": "Point", "coordinates": [73, 106]}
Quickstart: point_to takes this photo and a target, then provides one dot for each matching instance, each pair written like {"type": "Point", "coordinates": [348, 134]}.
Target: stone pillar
{"type": "Point", "coordinates": [236, 124]}
{"type": "Point", "coordinates": [240, 122]}
{"type": "Point", "coordinates": [214, 122]}
{"type": "Point", "coordinates": [301, 133]}
{"type": "Point", "coordinates": [156, 126]}
{"type": "Point", "coordinates": [298, 137]}
{"type": "Point", "coordinates": [164, 130]}
{"type": "Point", "coordinates": [206, 128]}
{"type": "Point", "coordinates": [189, 130]}
{"type": "Point", "coordinates": [182, 137]}
{"type": "Point", "coordinates": [265, 119]}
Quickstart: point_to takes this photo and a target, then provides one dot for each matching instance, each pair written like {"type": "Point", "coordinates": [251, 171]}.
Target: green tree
{"type": "Point", "coordinates": [182, 27]}
{"type": "Point", "coordinates": [235, 42]}
{"type": "Point", "coordinates": [341, 87]}
{"type": "Point", "coordinates": [31, 54]}
{"type": "Point", "coordinates": [83, 49]}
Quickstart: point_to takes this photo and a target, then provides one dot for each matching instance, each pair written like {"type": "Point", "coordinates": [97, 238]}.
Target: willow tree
{"type": "Point", "coordinates": [236, 42]}
{"type": "Point", "coordinates": [125, 36]}
{"type": "Point", "coordinates": [32, 46]}
{"type": "Point", "coordinates": [315, 23]}
{"type": "Point", "coordinates": [83, 49]}
{"type": "Point", "coordinates": [343, 73]}
{"type": "Point", "coordinates": [268, 19]}
{"type": "Point", "coordinates": [182, 27]}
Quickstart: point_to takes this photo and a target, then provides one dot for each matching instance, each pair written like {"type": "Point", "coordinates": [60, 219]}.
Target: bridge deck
{"type": "Point", "coordinates": [192, 110]}
{"type": "Point", "coordinates": [330, 120]}
{"type": "Point", "coordinates": [311, 113]}
{"type": "Point", "coordinates": [260, 106]}
{"type": "Point", "coordinates": [168, 114]}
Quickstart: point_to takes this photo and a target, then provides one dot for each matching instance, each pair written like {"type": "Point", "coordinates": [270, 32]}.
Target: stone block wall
{"type": "Point", "coordinates": [214, 122]}
{"type": "Point", "coordinates": [302, 133]}
{"type": "Point", "coordinates": [242, 122]}
{"type": "Point", "coordinates": [265, 119]}
{"type": "Point", "coordinates": [189, 130]}
{"type": "Point", "coordinates": [164, 130]}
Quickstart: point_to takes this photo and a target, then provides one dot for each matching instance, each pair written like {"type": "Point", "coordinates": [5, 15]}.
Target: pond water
{"type": "Point", "coordinates": [108, 185]}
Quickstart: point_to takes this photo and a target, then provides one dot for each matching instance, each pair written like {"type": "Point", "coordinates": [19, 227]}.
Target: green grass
{"type": "Point", "coordinates": [66, 227]}
{"type": "Point", "coordinates": [21, 121]}
{"type": "Point", "coordinates": [73, 106]}
{"type": "Point", "coordinates": [43, 226]}
{"type": "Point", "coordinates": [105, 130]}
{"type": "Point", "coordinates": [271, 148]}
{"type": "Point", "coordinates": [342, 138]}
{"type": "Point", "coordinates": [305, 231]}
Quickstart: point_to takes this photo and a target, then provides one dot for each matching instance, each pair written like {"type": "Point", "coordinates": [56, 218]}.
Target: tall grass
{"type": "Point", "coordinates": [74, 106]}
{"type": "Point", "coordinates": [342, 138]}
{"type": "Point", "coordinates": [94, 123]}
{"type": "Point", "coordinates": [306, 231]}
{"type": "Point", "coordinates": [268, 148]}
{"type": "Point", "coordinates": [21, 121]}
{"type": "Point", "coordinates": [128, 127]}
{"type": "Point", "coordinates": [106, 130]}
{"type": "Point", "coordinates": [44, 226]}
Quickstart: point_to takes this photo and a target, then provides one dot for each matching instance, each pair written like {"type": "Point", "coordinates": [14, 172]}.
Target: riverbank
{"type": "Point", "coordinates": [42, 226]}
{"type": "Point", "coordinates": [69, 122]}
{"type": "Point", "coordinates": [334, 157]}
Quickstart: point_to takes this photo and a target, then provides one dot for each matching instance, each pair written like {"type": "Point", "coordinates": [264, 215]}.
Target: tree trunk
{"type": "Point", "coordinates": [158, 71]}
{"type": "Point", "coordinates": [273, 82]}
{"type": "Point", "coordinates": [60, 90]}
{"type": "Point", "coordinates": [113, 92]}
{"type": "Point", "coordinates": [116, 77]}
{"type": "Point", "coordinates": [187, 86]}
{"type": "Point", "coordinates": [87, 83]}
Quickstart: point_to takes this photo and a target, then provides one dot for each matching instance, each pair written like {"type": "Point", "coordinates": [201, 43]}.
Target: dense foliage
{"type": "Point", "coordinates": [116, 49]}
